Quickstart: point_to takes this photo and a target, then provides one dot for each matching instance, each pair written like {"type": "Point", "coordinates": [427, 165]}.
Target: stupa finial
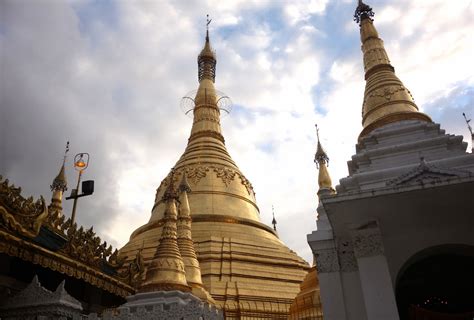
{"type": "Point", "coordinates": [274, 222]}
{"type": "Point", "coordinates": [321, 159]}
{"type": "Point", "coordinates": [58, 187]}
{"type": "Point", "coordinates": [207, 58]}
{"type": "Point", "coordinates": [362, 12]}
{"type": "Point", "coordinates": [386, 99]}
{"type": "Point", "coordinates": [60, 182]}
{"type": "Point", "coordinates": [208, 22]}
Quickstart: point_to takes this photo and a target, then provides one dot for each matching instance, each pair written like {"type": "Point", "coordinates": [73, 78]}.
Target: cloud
{"type": "Point", "coordinates": [108, 76]}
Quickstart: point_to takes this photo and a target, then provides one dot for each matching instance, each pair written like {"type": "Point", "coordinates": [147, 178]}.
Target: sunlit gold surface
{"type": "Point", "coordinates": [244, 265]}
{"type": "Point", "coordinates": [307, 304]}
{"type": "Point", "coordinates": [186, 245]}
{"type": "Point", "coordinates": [324, 179]}
{"type": "Point", "coordinates": [166, 269]}
{"type": "Point", "coordinates": [83, 255]}
{"type": "Point", "coordinates": [386, 99]}
{"type": "Point", "coordinates": [58, 187]}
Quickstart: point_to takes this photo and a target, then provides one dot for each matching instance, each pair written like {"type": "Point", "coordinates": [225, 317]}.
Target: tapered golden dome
{"type": "Point", "coordinates": [386, 99]}
{"type": "Point", "coordinates": [307, 304]}
{"type": "Point", "coordinates": [244, 265]}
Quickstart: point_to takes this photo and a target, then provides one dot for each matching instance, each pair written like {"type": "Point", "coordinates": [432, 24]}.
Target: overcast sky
{"type": "Point", "coordinates": [108, 76]}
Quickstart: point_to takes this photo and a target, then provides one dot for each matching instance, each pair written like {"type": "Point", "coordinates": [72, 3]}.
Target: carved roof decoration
{"type": "Point", "coordinates": [31, 232]}
{"type": "Point", "coordinates": [426, 173]}
{"type": "Point", "coordinates": [34, 295]}
{"type": "Point", "coordinates": [24, 216]}
{"type": "Point", "coordinates": [197, 172]}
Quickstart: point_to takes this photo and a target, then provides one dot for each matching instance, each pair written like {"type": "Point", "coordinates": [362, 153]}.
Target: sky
{"type": "Point", "coordinates": [108, 76]}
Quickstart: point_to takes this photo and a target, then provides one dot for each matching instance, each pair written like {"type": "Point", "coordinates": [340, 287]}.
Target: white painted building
{"type": "Point", "coordinates": [396, 239]}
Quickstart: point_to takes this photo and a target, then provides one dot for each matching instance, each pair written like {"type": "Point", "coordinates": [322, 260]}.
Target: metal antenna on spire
{"type": "Point", "coordinates": [208, 21]}
{"type": "Point", "coordinates": [274, 222]}
{"type": "Point", "coordinates": [470, 130]}
{"type": "Point", "coordinates": [320, 156]}
{"type": "Point", "coordinates": [65, 152]}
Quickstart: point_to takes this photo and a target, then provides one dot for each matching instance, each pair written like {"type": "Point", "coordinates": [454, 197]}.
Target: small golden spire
{"type": "Point", "coordinates": [308, 302]}
{"type": "Point", "coordinates": [322, 160]}
{"type": "Point", "coordinates": [386, 99]}
{"type": "Point", "coordinates": [166, 270]}
{"type": "Point", "coordinates": [58, 187]}
{"type": "Point", "coordinates": [186, 244]}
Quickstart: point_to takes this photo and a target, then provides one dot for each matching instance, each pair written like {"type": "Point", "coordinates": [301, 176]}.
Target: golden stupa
{"type": "Point", "coordinates": [386, 99]}
{"type": "Point", "coordinates": [246, 268]}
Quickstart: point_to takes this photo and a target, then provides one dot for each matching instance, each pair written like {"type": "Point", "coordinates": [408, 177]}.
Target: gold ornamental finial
{"type": "Point", "coordinates": [60, 182]}
{"type": "Point", "coordinates": [321, 159]}
{"type": "Point", "coordinates": [363, 11]}
{"type": "Point", "coordinates": [58, 187]}
{"type": "Point", "coordinates": [186, 244]}
{"type": "Point", "coordinates": [207, 58]}
{"type": "Point", "coordinates": [166, 270]}
{"type": "Point", "coordinates": [320, 156]}
{"type": "Point", "coordinates": [386, 99]}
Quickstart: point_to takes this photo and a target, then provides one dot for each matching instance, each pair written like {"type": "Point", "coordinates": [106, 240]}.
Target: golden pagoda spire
{"type": "Point", "coordinates": [321, 159]}
{"type": "Point", "coordinates": [386, 99]}
{"type": "Point", "coordinates": [227, 231]}
{"type": "Point", "coordinates": [58, 187]}
{"type": "Point", "coordinates": [206, 112]}
{"type": "Point", "coordinates": [186, 244]}
{"type": "Point", "coordinates": [166, 270]}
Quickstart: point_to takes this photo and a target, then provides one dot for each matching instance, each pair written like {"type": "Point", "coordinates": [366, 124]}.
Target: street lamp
{"type": "Point", "coordinates": [81, 162]}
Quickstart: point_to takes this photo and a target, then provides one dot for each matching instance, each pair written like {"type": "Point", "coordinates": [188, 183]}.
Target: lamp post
{"type": "Point", "coordinates": [81, 162]}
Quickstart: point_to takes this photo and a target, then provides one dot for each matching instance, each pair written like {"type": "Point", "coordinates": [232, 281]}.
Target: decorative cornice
{"type": "Point", "coordinates": [207, 134]}
{"type": "Point", "coordinates": [197, 172]}
{"type": "Point", "coordinates": [426, 173]}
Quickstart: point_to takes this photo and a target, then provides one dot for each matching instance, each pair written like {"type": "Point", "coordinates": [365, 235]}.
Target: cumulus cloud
{"type": "Point", "coordinates": [109, 77]}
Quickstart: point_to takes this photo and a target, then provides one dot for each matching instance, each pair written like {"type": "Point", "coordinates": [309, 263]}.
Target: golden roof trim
{"type": "Point", "coordinates": [26, 218]}
{"type": "Point", "coordinates": [30, 252]}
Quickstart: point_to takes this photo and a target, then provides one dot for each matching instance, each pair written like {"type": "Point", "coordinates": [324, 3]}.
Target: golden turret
{"type": "Point", "coordinates": [58, 187]}
{"type": "Point", "coordinates": [186, 245]}
{"type": "Point", "coordinates": [244, 265]}
{"type": "Point", "coordinates": [321, 159]}
{"type": "Point", "coordinates": [166, 271]}
{"type": "Point", "coordinates": [386, 99]}
{"type": "Point", "coordinates": [307, 304]}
